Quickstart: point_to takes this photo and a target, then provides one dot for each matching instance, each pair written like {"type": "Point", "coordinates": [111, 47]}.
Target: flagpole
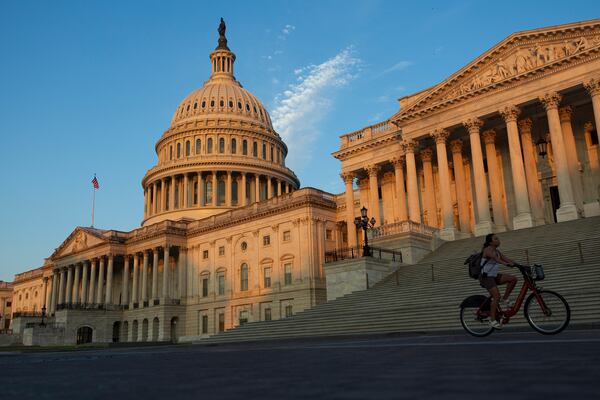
{"type": "Point", "coordinates": [93, 205]}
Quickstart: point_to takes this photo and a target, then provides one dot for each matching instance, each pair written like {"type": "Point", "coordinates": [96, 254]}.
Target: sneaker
{"type": "Point", "coordinates": [505, 304]}
{"type": "Point", "coordinates": [495, 324]}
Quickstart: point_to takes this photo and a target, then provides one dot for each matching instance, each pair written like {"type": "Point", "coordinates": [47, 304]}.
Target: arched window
{"type": "Point", "coordinates": [187, 148]}
{"type": "Point", "coordinates": [240, 105]}
{"type": "Point", "coordinates": [212, 103]}
{"type": "Point", "coordinates": [188, 108]}
{"type": "Point", "coordinates": [234, 192]}
{"type": "Point", "coordinates": [230, 104]}
{"type": "Point", "coordinates": [221, 145]}
{"type": "Point", "coordinates": [203, 104]}
{"type": "Point", "coordinates": [264, 151]}
{"type": "Point", "coordinates": [220, 192]}
{"type": "Point", "coordinates": [255, 149]}
{"type": "Point", "coordinates": [170, 152]}
{"type": "Point", "coordinates": [195, 105]}
{"type": "Point", "coordinates": [233, 146]}
{"type": "Point", "coordinates": [247, 107]}
{"type": "Point", "coordinates": [208, 192]}
{"type": "Point", "coordinates": [209, 146]}
{"type": "Point", "coordinates": [245, 147]}
{"type": "Point", "coordinates": [178, 150]}
{"type": "Point", "coordinates": [244, 277]}
{"type": "Point", "coordinates": [198, 146]}
{"type": "Point", "coordinates": [222, 103]}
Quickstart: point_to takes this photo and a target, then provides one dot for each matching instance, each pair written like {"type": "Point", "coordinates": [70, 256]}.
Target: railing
{"type": "Point", "coordinates": [19, 314]}
{"type": "Point", "coordinates": [401, 227]}
{"type": "Point", "coordinates": [348, 253]}
{"type": "Point", "coordinates": [367, 132]}
{"type": "Point", "coordinates": [50, 325]}
{"type": "Point", "coordinates": [92, 306]}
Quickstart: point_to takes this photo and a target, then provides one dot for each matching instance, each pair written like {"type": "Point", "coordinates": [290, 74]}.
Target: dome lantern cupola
{"type": "Point", "coordinates": [222, 58]}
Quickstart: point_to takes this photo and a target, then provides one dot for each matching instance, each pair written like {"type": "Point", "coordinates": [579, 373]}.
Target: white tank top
{"type": "Point", "coordinates": [491, 267]}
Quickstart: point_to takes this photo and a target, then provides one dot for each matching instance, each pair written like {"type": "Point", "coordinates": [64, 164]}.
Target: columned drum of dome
{"type": "Point", "coordinates": [220, 152]}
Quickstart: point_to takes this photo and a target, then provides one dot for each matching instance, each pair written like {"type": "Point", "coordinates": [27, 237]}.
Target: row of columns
{"type": "Point", "coordinates": [527, 189]}
{"type": "Point", "coordinates": [155, 195]}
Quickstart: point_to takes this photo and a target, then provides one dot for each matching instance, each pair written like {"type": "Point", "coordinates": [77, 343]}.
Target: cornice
{"type": "Point", "coordinates": [365, 146]}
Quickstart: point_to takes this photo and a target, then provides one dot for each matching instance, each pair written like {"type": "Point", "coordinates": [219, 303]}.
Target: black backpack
{"type": "Point", "coordinates": [474, 263]}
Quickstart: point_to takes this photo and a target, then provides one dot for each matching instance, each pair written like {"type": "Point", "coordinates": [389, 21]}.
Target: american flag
{"type": "Point", "coordinates": [95, 183]}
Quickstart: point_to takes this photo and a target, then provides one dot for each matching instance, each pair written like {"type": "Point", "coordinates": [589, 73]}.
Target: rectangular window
{"type": "Point", "coordinates": [255, 149]}
{"type": "Point", "coordinates": [287, 274]}
{"type": "Point", "coordinates": [267, 276]}
{"type": "Point", "coordinates": [221, 322]}
{"type": "Point", "coordinates": [271, 159]}
{"type": "Point", "coordinates": [205, 287]}
{"type": "Point", "coordinates": [266, 240]}
{"type": "Point", "coordinates": [221, 250]}
{"type": "Point", "coordinates": [267, 314]}
{"type": "Point", "coordinates": [205, 324]}
{"type": "Point", "coordinates": [288, 310]}
{"type": "Point", "coordinates": [287, 236]}
{"type": "Point", "coordinates": [221, 280]}
{"type": "Point", "coordinates": [328, 234]}
{"type": "Point", "coordinates": [244, 278]}
{"type": "Point", "coordinates": [243, 317]}
{"type": "Point", "coordinates": [205, 254]}
{"type": "Point", "coordinates": [264, 151]}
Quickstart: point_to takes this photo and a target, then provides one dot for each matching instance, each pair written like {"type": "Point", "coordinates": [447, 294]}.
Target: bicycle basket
{"type": "Point", "coordinates": [537, 272]}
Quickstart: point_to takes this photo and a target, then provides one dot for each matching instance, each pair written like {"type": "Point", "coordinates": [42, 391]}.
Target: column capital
{"type": "Point", "coordinates": [408, 145]}
{"type": "Point", "coordinates": [550, 100]}
{"type": "Point", "coordinates": [525, 126]}
{"type": "Point", "coordinates": [456, 146]}
{"type": "Point", "coordinates": [510, 113]}
{"type": "Point", "coordinates": [565, 113]}
{"type": "Point", "coordinates": [440, 135]}
{"type": "Point", "coordinates": [489, 136]}
{"type": "Point", "coordinates": [473, 125]}
{"type": "Point", "coordinates": [426, 154]}
{"type": "Point", "coordinates": [592, 86]}
{"type": "Point", "coordinates": [466, 161]}
{"type": "Point", "coordinates": [398, 162]}
{"type": "Point", "coordinates": [372, 169]}
{"type": "Point", "coordinates": [347, 177]}
{"type": "Point", "coordinates": [588, 126]}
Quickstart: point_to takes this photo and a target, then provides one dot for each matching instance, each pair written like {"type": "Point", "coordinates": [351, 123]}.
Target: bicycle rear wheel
{"type": "Point", "coordinates": [473, 323]}
{"type": "Point", "coordinates": [550, 319]}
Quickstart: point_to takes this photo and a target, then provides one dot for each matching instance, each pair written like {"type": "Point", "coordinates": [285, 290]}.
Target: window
{"type": "Point", "coordinates": [195, 105]}
{"type": "Point", "coordinates": [247, 107]}
{"type": "Point", "coordinates": [212, 103]}
{"type": "Point", "coordinates": [203, 104]}
{"type": "Point", "coordinates": [244, 246]}
{"type": "Point", "coordinates": [221, 283]}
{"type": "Point", "coordinates": [278, 155]}
{"type": "Point", "coordinates": [287, 268]}
{"type": "Point", "coordinates": [204, 287]}
{"type": "Point", "coordinates": [287, 236]}
{"type": "Point", "coordinates": [209, 146]}
{"type": "Point", "coordinates": [221, 322]}
{"type": "Point", "coordinates": [288, 310]}
{"type": "Point", "coordinates": [243, 317]}
{"type": "Point", "coordinates": [233, 146]}
{"type": "Point", "coordinates": [264, 151]}
{"type": "Point", "coordinates": [230, 104]}
{"type": "Point", "coordinates": [267, 277]}
{"type": "Point", "coordinates": [240, 105]}
{"type": "Point", "coordinates": [244, 277]}
{"type": "Point", "coordinates": [178, 150]}
{"type": "Point", "coordinates": [222, 103]}
{"type": "Point", "coordinates": [266, 240]}
{"type": "Point", "coordinates": [170, 152]}
{"type": "Point", "coordinates": [255, 149]}
{"type": "Point", "coordinates": [205, 324]}
{"type": "Point", "coordinates": [245, 147]}
{"type": "Point", "coordinates": [328, 234]}
{"type": "Point", "coordinates": [187, 148]}
{"type": "Point", "coordinates": [9, 304]}
{"type": "Point", "coordinates": [271, 159]}
{"type": "Point", "coordinates": [221, 145]}
{"type": "Point", "coordinates": [205, 254]}
{"type": "Point", "coordinates": [208, 192]}
{"type": "Point", "coordinates": [221, 250]}
{"type": "Point", "coordinates": [198, 146]}
{"type": "Point", "coordinates": [267, 314]}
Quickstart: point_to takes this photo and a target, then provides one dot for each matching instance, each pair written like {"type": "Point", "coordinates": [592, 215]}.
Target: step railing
{"type": "Point", "coordinates": [348, 253]}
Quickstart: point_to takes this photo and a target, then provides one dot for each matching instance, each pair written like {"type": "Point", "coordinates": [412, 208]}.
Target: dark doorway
{"type": "Point", "coordinates": [84, 335]}
{"type": "Point", "coordinates": [555, 199]}
{"type": "Point", "coordinates": [116, 331]}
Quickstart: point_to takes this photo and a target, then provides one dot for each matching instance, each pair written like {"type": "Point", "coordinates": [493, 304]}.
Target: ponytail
{"type": "Point", "coordinates": [488, 240]}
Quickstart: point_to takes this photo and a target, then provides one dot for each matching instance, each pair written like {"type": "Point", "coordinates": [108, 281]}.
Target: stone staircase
{"type": "Point", "coordinates": [426, 296]}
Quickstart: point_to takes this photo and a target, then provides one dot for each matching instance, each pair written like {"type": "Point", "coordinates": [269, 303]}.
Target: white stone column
{"type": "Point", "coordinates": [109, 279]}
{"type": "Point", "coordinates": [200, 199]}
{"type": "Point", "coordinates": [243, 201]}
{"type": "Point", "coordinates": [76, 285]}
{"type": "Point", "coordinates": [228, 184]}
{"type": "Point", "coordinates": [165, 286]}
{"type": "Point", "coordinates": [460, 186]}
{"type": "Point", "coordinates": [125, 281]}
{"type": "Point", "coordinates": [484, 223]}
{"type": "Point", "coordinates": [568, 209]}
{"type": "Point", "coordinates": [565, 114]}
{"type": "Point", "coordinates": [47, 294]}
{"type": "Point", "coordinates": [92, 292]}
{"type": "Point", "coordinates": [163, 195]}
{"type": "Point", "coordinates": [172, 192]}
{"type": "Point", "coordinates": [278, 187]}
{"type": "Point", "coordinates": [155, 274]}
{"type": "Point", "coordinates": [181, 272]}
{"type": "Point", "coordinates": [398, 163]}
{"type": "Point", "coordinates": [593, 87]}
{"type": "Point", "coordinates": [430, 202]}
{"type": "Point", "coordinates": [348, 178]}
{"type": "Point", "coordinates": [53, 297]}
{"type": "Point", "coordinates": [134, 289]}
{"type": "Point", "coordinates": [536, 198]}
{"type": "Point", "coordinates": [84, 282]}
{"type": "Point", "coordinates": [69, 289]}
{"type": "Point", "coordinates": [100, 292]}
{"type": "Point", "coordinates": [449, 231]}
{"type": "Point", "coordinates": [144, 296]}
{"type": "Point", "coordinates": [61, 288]}
{"type": "Point", "coordinates": [495, 178]}
{"type": "Point", "coordinates": [257, 188]}
{"type": "Point", "coordinates": [373, 170]}
{"type": "Point", "coordinates": [414, 212]}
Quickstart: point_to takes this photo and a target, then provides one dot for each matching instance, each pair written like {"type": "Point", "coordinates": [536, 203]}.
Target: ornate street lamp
{"type": "Point", "coordinates": [364, 223]}
{"type": "Point", "coordinates": [43, 315]}
{"type": "Point", "coordinates": [542, 146]}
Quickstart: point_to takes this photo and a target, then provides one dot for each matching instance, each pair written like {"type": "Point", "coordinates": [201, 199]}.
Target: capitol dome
{"type": "Point", "coordinates": [220, 152]}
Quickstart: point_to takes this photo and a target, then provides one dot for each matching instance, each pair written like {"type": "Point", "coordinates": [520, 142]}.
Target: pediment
{"type": "Point", "coordinates": [521, 55]}
{"type": "Point", "coordinates": [79, 240]}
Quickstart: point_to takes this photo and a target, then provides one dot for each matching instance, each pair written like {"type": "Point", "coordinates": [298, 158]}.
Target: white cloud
{"type": "Point", "coordinates": [399, 66]}
{"type": "Point", "coordinates": [288, 29]}
{"type": "Point", "coordinates": [300, 108]}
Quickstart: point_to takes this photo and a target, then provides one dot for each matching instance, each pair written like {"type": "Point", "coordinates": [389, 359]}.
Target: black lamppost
{"type": "Point", "coordinates": [364, 223]}
{"type": "Point", "coordinates": [542, 146]}
{"type": "Point", "coordinates": [43, 315]}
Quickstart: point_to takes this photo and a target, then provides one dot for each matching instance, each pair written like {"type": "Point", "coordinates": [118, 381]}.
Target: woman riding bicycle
{"type": "Point", "coordinates": [490, 278]}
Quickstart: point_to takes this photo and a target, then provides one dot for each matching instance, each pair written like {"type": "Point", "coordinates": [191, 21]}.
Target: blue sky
{"type": "Point", "coordinates": [89, 86]}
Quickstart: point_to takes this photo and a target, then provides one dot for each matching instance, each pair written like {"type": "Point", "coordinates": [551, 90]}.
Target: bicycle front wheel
{"type": "Point", "coordinates": [547, 312]}
{"type": "Point", "coordinates": [473, 323]}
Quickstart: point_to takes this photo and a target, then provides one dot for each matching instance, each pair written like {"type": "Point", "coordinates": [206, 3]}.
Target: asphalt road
{"type": "Point", "coordinates": [506, 365]}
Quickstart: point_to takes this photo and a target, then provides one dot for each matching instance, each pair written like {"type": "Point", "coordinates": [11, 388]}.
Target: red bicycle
{"type": "Point", "coordinates": [546, 311]}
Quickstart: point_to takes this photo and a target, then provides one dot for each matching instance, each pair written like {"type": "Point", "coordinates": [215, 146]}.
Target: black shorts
{"type": "Point", "coordinates": [489, 282]}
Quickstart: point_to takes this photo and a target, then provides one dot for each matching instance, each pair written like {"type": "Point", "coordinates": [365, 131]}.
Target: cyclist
{"type": "Point", "coordinates": [490, 278]}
